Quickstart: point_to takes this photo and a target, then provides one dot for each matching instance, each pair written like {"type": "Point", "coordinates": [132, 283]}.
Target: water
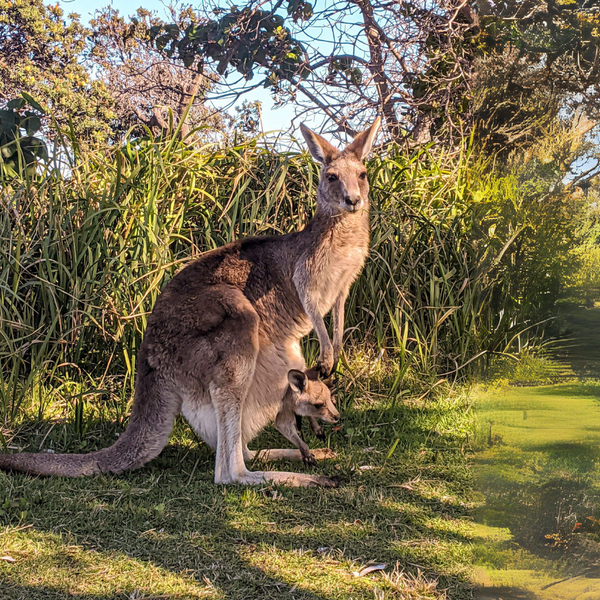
{"type": "Point", "coordinates": [538, 473]}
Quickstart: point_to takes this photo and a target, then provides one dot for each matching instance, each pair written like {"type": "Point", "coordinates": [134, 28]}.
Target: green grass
{"type": "Point", "coordinates": [168, 531]}
{"type": "Point", "coordinates": [537, 468]}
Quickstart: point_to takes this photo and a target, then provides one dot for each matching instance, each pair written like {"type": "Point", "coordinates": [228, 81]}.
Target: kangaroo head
{"type": "Point", "coordinates": [343, 186]}
{"type": "Point", "coordinates": [311, 398]}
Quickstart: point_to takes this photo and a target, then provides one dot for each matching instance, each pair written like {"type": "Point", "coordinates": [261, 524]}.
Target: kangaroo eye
{"type": "Point", "coordinates": [363, 175]}
{"type": "Point", "coordinates": [332, 177]}
{"type": "Point", "coordinates": [320, 405]}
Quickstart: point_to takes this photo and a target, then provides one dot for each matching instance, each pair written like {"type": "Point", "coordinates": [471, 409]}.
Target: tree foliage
{"type": "Point", "coordinates": [144, 83]}
{"type": "Point", "coordinates": [350, 60]}
{"type": "Point", "coordinates": [20, 144]}
{"type": "Point", "coordinates": [538, 58]}
{"type": "Point", "coordinates": [40, 55]}
{"type": "Point", "coordinates": [433, 69]}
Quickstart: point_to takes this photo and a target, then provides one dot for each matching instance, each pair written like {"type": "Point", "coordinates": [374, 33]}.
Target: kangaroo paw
{"type": "Point", "coordinates": [320, 434]}
{"type": "Point", "coordinates": [309, 460]}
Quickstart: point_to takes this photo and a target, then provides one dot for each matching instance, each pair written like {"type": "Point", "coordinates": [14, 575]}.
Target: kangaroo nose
{"type": "Point", "coordinates": [352, 201]}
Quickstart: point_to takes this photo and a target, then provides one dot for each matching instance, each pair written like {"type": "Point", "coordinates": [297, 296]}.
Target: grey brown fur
{"type": "Point", "coordinates": [226, 330]}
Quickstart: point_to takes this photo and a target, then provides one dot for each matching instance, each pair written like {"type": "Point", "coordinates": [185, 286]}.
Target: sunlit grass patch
{"type": "Point", "coordinates": [326, 571]}
{"type": "Point", "coordinates": [54, 565]}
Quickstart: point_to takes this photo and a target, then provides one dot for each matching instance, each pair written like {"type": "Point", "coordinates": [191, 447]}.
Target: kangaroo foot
{"type": "Point", "coordinates": [291, 454]}
{"type": "Point", "coordinates": [288, 479]}
{"type": "Point", "coordinates": [323, 453]}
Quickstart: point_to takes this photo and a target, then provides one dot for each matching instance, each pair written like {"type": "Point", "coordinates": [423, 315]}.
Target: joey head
{"type": "Point", "coordinates": [305, 397]}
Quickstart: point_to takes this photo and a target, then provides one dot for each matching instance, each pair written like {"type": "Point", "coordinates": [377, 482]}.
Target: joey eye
{"type": "Point", "coordinates": [332, 177]}
{"type": "Point", "coordinates": [363, 175]}
{"type": "Point", "coordinates": [320, 405]}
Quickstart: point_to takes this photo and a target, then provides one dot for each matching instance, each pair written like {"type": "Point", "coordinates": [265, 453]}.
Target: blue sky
{"type": "Point", "coordinates": [274, 119]}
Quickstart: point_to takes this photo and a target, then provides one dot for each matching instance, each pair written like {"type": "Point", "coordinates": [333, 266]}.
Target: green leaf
{"type": "Point", "coordinates": [391, 450]}
{"type": "Point", "coordinates": [172, 31]}
{"type": "Point", "coordinates": [7, 120]}
{"type": "Point", "coordinates": [188, 58]}
{"type": "Point", "coordinates": [33, 102]}
{"type": "Point", "coordinates": [16, 104]}
{"type": "Point", "coordinates": [161, 42]}
{"type": "Point", "coordinates": [32, 125]}
{"type": "Point", "coordinates": [155, 30]}
{"type": "Point", "coordinates": [35, 146]}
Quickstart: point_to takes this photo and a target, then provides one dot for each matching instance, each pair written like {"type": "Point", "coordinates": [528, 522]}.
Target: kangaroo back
{"type": "Point", "coordinates": [147, 433]}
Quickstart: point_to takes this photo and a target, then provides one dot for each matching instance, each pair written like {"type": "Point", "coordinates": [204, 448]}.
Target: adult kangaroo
{"type": "Point", "coordinates": [226, 331]}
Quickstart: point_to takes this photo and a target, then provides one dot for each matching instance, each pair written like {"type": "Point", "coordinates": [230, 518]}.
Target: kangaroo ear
{"type": "Point", "coordinates": [321, 150]}
{"type": "Point", "coordinates": [363, 142]}
{"type": "Point", "coordinates": [298, 380]}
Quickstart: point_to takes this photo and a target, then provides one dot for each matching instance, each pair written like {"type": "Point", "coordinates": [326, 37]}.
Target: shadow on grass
{"type": "Point", "coordinates": [247, 543]}
{"type": "Point", "coordinates": [25, 592]}
{"type": "Point", "coordinates": [583, 389]}
{"type": "Point", "coordinates": [503, 593]}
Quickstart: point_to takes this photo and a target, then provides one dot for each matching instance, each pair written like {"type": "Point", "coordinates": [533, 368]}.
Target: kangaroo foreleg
{"type": "Point", "coordinates": [286, 425]}
{"type": "Point", "coordinates": [325, 363]}
{"type": "Point", "coordinates": [316, 428]}
{"type": "Point", "coordinates": [302, 282]}
{"type": "Point", "coordinates": [337, 314]}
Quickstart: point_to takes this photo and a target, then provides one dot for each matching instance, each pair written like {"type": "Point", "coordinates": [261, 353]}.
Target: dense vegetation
{"type": "Point", "coordinates": [462, 260]}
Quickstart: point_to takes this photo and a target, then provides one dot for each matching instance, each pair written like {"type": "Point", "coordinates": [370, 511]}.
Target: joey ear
{"type": "Point", "coordinates": [328, 382]}
{"type": "Point", "coordinates": [321, 150]}
{"type": "Point", "coordinates": [298, 380]}
{"type": "Point", "coordinates": [363, 142]}
{"type": "Point", "coordinates": [313, 373]}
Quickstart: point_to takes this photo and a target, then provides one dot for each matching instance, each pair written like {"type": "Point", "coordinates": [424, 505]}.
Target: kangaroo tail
{"type": "Point", "coordinates": [151, 422]}
{"type": "Point", "coordinates": [67, 465]}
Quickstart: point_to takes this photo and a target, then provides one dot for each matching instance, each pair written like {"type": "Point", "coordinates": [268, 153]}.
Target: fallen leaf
{"type": "Point", "coordinates": [404, 486]}
{"type": "Point", "coordinates": [369, 569]}
{"type": "Point", "coordinates": [7, 559]}
{"type": "Point", "coordinates": [337, 428]}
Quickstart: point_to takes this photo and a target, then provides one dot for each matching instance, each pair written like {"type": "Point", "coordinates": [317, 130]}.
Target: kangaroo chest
{"type": "Point", "coordinates": [340, 265]}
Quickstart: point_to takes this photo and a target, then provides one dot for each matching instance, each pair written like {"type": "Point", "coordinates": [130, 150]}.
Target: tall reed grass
{"type": "Point", "coordinates": [85, 250]}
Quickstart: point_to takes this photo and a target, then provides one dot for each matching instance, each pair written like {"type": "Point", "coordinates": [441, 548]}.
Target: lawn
{"type": "Point", "coordinates": [166, 531]}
